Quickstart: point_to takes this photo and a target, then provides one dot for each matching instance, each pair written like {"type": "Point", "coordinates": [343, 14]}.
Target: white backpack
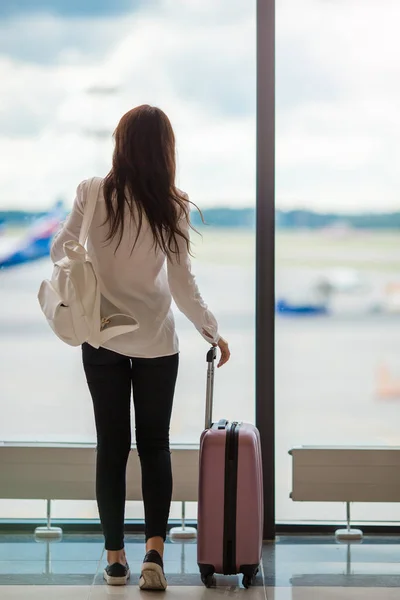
{"type": "Point", "coordinates": [72, 301]}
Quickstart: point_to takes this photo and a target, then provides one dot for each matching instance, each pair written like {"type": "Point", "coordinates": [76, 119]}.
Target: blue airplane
{"type": "Point", "coordinates": [36, 242]}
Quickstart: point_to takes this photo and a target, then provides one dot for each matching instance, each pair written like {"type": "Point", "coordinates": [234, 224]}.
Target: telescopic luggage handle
{"type": "Point", "coordinates": [211, 357]}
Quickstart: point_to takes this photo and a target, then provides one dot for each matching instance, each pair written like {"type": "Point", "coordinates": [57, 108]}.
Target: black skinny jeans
{"type": "Point", "coordinates": [111, 377]}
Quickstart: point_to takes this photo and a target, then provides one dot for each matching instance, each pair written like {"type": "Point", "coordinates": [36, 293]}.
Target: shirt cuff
{"type": "Point", "coordinates": [212, 338]}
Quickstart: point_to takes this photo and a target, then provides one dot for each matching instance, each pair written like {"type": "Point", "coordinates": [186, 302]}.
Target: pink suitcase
{"type": "Point", "coordinates": [230, 503]}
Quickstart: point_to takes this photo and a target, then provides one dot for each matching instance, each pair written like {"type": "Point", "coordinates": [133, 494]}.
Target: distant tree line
{"type": "Point", "coordinates": [245, 218]}
{"type": "Point", "coordinates": [296, 219]}
{"type": "Point", "coordinates": [225, 217]}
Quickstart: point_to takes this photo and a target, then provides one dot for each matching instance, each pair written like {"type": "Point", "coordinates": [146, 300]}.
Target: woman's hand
{"type": "Point", "coordinates": [223, 346]}
{"type": "Point", "coordinates": [225, 352]}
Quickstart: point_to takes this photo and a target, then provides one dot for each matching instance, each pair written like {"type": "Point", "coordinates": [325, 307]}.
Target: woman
{"type": "Point", "coordinates": [139, 243]}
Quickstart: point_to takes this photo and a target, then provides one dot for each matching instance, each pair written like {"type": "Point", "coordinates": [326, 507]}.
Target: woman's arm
{"type": "Point", "coordinates": [185, 292]}
{"type": "Point", "coordinates": [71, 227]}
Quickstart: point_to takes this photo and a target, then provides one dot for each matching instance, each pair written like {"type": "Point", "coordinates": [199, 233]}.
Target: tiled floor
{"type": "Point", "coordinates": [295, 568]}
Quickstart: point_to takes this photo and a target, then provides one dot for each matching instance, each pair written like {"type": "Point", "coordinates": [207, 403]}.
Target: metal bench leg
{"type": "Point", "coordinates": [348, 534]}
{"type": "Point", "coordinates": [48, 531]}
{"type": "Point", "coordinates": [183, 533]}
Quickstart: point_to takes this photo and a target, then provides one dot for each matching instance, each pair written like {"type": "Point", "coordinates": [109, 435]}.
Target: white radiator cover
{"type": "Point", "coordinates": [346, 474]}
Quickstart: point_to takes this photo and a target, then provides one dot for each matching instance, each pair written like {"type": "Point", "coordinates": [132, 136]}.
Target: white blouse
{"type": "Point", "coordinates": [143, 282]}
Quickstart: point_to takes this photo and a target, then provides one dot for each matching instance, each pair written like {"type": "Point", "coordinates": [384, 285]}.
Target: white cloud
{"type": "Point", "coordinates": [42, 38]}
{"type": "Point", "coordinates": [216, 146]}
{"type": "Point", "coordinates": [338, 92]}
{"type": "Point", "coordinates": [339, 128]}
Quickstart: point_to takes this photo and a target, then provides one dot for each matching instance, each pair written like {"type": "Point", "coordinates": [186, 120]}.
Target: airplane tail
{"type": "Point", "coordinates": [37, 240]}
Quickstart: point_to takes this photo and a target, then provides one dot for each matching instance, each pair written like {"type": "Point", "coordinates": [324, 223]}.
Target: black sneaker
{"type": "Point", "coordinates": [117, 574]}
{"type": "Point", "coordinates": [152, 576]}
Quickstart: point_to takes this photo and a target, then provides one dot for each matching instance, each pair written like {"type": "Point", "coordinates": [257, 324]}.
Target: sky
{"type": "Point", "coordinates": [337, 90]}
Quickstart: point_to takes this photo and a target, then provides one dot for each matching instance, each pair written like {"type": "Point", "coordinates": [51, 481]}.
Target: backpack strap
{"type": "Point", "coordinates": [90, 207]}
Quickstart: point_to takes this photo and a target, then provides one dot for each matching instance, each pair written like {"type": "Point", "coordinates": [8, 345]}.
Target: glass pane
{"type": "Point", "coordinates": [74, 71]}
{"type": "Point", "coordinates": [337, 353]}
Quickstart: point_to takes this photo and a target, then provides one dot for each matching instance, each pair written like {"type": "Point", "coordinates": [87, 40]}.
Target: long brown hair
{"type": "Point", "coordinates": [143, 177]}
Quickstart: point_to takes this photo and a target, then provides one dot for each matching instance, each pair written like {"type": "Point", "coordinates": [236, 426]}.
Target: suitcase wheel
{"type": "Point", "coordinates": [209, 580]}
{"type": "Point", "coordinates": [247, 581]}
{"type": "Point", "coordinates": [249, 574]}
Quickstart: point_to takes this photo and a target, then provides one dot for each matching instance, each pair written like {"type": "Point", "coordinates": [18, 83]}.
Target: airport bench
{"type": "Point", "coordinates": [346, 474]}
{"type": "Point", "coordinates": [66, 471]}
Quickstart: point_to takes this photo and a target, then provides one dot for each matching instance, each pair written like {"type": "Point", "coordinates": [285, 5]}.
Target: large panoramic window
{"type": "Point", "coordinates": [337, 240]}
{"type": "Point", "coordinates": [68, 73]}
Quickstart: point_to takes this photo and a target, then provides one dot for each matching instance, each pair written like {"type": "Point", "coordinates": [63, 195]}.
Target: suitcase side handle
{"type": "Point", "coordinates": [211, 357]}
